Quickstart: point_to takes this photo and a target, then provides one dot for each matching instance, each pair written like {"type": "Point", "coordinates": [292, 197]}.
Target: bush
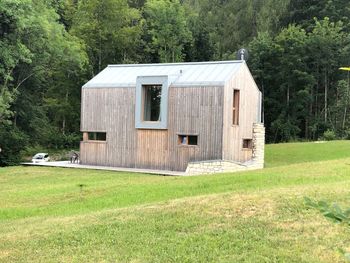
{"type": "Point", "coordinates": [347, 134]}
{"type": "Point", "coordinates": [329, 135]}
{"type": "Point", "coordinates": [59, 140]}
{"type": "Point", "coordinates": [12, 141]}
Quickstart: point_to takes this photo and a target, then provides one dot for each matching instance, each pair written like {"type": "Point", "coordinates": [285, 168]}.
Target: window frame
{"type": "Point", "coordinates": [142, 81]}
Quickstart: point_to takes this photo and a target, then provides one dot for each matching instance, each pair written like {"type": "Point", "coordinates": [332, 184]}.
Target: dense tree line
{"type": "Point", "coordinates": [49, 48]}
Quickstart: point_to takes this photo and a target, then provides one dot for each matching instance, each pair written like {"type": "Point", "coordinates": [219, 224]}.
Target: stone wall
{"type": "Point", "coordinates": [258, 145]}
{"type": "Point", "coordinates": [222, 166]}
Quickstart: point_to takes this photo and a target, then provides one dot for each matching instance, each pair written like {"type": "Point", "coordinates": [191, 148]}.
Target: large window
{"type": "Point", "coordinates": [151, 99]}
{"type": "Point", "coordinates": [151, 104]}
{"type": "Point", "coordinates": [235, 107]}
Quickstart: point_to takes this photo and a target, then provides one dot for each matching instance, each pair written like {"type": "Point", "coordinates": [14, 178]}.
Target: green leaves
{"type": "Point", "coordinates": [332, 212]}
{"type": "Point", "coordinates": [167, 27]}
{"type": "Point", "coordinates": [110, 29]}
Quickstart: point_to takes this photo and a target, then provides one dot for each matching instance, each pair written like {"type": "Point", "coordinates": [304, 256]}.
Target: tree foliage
{"type": "Point", "coordinates": [48, 49]}
{"type": "Point", "coordinates": [110, 30]}
{"type": "Point", "coordinates": [167, 29]}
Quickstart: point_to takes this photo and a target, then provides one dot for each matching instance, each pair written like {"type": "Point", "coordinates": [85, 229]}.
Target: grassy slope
{"type": "Point", "coordinates": [256, 216]}
{"type": "Point", "coordinates": [290, 153]}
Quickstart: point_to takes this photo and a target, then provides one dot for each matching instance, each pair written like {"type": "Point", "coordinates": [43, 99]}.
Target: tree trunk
{"type": "Point", "coordinates": [325, 97]}
{"type": "Point", "coordinates": [64, 116]}
{"type": "Point", "coordinates": [100, 52]}
{"type": "Point", "coordinates": [307, 124]}
{"type": "Point", "coordinates": [347, 102]}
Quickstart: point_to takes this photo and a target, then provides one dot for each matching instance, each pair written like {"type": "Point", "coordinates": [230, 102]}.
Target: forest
{"type": "Point", "coordinates": [50, 48]}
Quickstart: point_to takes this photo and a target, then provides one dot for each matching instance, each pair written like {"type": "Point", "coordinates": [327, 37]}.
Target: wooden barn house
{"type": "Point", "coordinates": [192, 117]}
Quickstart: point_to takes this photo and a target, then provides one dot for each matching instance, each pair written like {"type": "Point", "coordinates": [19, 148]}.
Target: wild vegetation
{"type": "Point", "coordinates": [64, 215]}
{"type": "Point", "coordinates": [48, 49]}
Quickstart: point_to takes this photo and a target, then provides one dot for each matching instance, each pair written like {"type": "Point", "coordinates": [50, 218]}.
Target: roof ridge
{"type": "Point", "coordinates": [178, 63]}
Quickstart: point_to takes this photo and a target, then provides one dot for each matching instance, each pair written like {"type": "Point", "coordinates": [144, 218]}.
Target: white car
{"type": "Point", "coordinates": [40, 158]}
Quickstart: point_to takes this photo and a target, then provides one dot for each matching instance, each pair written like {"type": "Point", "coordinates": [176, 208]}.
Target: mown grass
{"type": "Point", "coordinates": [256, 216]}
{"type": "Point", "coordinates": [290, 153]}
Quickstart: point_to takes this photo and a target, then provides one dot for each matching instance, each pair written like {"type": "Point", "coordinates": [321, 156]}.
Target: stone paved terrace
{"type": "Point", "coordinates": [67, 164]}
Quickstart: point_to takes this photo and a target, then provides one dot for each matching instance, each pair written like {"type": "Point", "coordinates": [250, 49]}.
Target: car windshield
{"type": "Point", "coordinates": [38, 156]}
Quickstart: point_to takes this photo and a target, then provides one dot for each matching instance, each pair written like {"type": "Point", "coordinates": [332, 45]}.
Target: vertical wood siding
{"type": "Point", "coordinates": [191, 110]}
{"type": "Point", "coordinates": [249, 100]}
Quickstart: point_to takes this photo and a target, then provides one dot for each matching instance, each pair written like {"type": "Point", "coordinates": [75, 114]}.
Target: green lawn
{"type": "Point", "coordinates": [291, 153]}
{"type": "Point", "coordinates": [256, 216]}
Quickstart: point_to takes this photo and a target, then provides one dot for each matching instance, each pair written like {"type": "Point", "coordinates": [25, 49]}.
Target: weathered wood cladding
{"type": "Point", "coordinates": [93, 153]}
{"type": "Point", "coordinates": [191, 110]}
{"type": "Point", "coordinates": [233, 135]}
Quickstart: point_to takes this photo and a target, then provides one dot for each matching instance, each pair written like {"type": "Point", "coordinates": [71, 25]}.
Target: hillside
{"type": "Point", "coordinates": [256, 216]}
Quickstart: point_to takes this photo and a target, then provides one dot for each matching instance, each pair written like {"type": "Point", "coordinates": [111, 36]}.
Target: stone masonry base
{"type": "Point", "coordinates": [220, 166]}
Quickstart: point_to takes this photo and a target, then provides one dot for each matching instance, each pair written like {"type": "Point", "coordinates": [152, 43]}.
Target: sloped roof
{"type": "Point", "coordinates": [182, 74]}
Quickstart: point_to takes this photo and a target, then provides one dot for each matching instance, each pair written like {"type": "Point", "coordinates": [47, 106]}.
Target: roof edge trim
{"type": "Point", "coordinates": [133, 85]}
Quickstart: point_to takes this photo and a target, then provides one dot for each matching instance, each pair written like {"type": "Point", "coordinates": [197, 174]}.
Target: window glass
{"type": "Point", "coordinates": [235, 107]}
{"type": "Point", "coordinates": [247, 144]}
{"type": "Point", "coordinates": [152, 95]}
{"type": "Point", "coordinates": [192, 140]}
{"type": "Point", "coordinates": [188, 139]}
{"type": "Point", "coordinates": [97, 136]}
{"type": "Point", "coordinates": [182, 139]}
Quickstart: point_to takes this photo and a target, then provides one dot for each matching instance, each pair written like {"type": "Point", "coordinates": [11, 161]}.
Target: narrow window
{"type": "Point", "coordinates": [235, 107]}
{"type": "Point", "coordinates": [247, 144]}
{"type": "Point", "coordinates": [151, 102]}
{"type": "Point", "coordinates": [97, 136]}
{"type": "Point", "coordinates": [188, 140]}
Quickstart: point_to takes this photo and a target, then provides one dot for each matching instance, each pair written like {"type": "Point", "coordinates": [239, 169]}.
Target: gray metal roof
{"type": "Point", "coordinates": [181, 74]}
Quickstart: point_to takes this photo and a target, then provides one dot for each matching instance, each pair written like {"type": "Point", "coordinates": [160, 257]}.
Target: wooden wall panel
{"type": "Point", "coordinates": [249, 100]}
{"type": "Point", "coordinates": [111, 110]}
{"type": "Point", "coordinates": [152, 149]}
{"type": "Point", "coordinates": [196, 111]}
{"type": "Point", "coordinates": [93, 153]}
{"type": "Point", "coordinates": [191, 110]}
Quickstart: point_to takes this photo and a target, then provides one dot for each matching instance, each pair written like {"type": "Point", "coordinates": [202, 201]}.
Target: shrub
{"type": "Point", "coordinates": [12, 141]}
{"type": "Point", "coordinates": [347, 134]}
{"type": "Point", "coordinates": [329, 135]}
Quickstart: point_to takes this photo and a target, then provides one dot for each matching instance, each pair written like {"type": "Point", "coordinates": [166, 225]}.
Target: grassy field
{"type": "Point", "coordinates": [256, 216]}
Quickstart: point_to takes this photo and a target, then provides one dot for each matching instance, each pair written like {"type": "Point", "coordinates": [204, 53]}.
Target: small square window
{"type": "Point", "coordinates": [183, 139]}
{"type": "Point", "coordinates": [188, 140]}
{"type": "Point", "coordinates": [192, 140]}
{"type": "Point", "coordinates": [247, 143]}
